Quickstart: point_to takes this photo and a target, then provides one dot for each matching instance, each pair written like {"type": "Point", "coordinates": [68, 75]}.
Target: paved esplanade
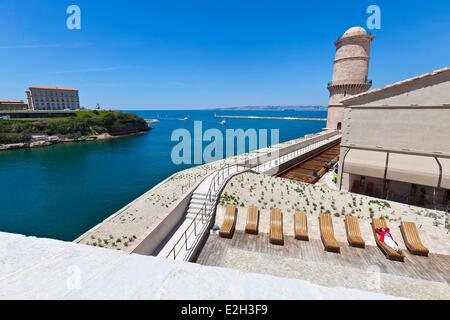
{"type": "Point", "coordinates": [33, 268]}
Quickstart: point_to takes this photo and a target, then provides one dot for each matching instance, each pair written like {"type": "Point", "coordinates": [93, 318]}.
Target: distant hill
{"type": "Point", "coordinates": [277, 108]}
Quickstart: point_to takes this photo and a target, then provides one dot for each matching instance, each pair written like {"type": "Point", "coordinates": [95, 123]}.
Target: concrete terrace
{"type": "Point", "coordinates": [33, 268]}
{"type": "Point", "coordinates": [131, 225]}
{"type": "Point", "coordinates": [364, 269]}
{"type": "Point", "coordinates": [186, 241]}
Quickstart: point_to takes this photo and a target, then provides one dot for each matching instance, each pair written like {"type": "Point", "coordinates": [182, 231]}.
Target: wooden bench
{"type": "Point", "coordinates": [252, 226]}
{"type": "Point", "coordinates": [390, 253]}
{"type": "Point", "coordinates": [327, 233]}
{"type": "Point", "coordinates": [276, 227]}
{"type": "Point", "coordinates": [301, 226]}
{"type": "Point", "coordinates": [412, 239]}
{"type": "Point", "coordinates": [354, 232]}
{"type": "Point", "coordinates": [229, 222]}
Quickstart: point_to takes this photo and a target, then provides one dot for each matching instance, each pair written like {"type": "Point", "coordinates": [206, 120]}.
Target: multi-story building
{"type": "Point", "coordinates": [53, 98]}
{"type": "Point", "coordinates": [7, 105]}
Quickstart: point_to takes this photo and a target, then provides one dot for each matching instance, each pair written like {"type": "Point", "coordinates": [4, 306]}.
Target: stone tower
{"type": "Point", "coordinates": [350, 75]}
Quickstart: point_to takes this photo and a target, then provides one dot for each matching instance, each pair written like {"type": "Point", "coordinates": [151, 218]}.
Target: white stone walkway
{"type": "Point", "coordinates": [40, 269]}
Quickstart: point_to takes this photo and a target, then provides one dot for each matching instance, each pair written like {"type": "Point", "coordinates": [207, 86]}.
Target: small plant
{"type": "Point", "coordinates": [382, 204]}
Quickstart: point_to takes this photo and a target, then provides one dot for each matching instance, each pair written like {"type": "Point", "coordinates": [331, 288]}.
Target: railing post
{"type": "Point", "coordinates": [203, 214]}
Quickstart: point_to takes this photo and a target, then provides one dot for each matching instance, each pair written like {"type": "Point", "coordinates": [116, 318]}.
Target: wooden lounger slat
{"type": "Point", "coordinates": [276, 227]}
{"type": "Point", "coordinates": [252, 221]}
{"type": "Point", "coordinates": [390, 253]}
{"type": "Point", "coordinates": [354, 232]}
{"type": "Point", "coordinates": [229, 222]}
{"type": "Point", "coordinates": [327, 233]}
{"type": "Point", "coordinates": [301, 226]}
{"type": "Point", "coordinates": [412, 239]}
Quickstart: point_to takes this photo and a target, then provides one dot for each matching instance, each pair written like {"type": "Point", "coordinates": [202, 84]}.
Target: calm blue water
{"type": "Point", "coordinates": [62, 191]}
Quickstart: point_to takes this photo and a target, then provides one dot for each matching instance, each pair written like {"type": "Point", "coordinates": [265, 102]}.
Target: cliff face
{"type": "Point", "coordinates": [122, 123]}
{"type": "Point", "coordinates": [84, 124]}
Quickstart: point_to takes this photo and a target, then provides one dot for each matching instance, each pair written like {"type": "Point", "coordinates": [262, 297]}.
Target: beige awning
{"type": "Point", "coordinates": [366, 163]}
{"type": "Point", "coordinates": [445, 163]}
{"type": "Point", "coordinates": [413, 169]}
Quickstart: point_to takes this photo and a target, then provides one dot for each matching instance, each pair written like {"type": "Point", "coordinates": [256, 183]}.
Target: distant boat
{"type": "Point", "coordinates": [223, 122]}
{"type": "Point", "coordinates": [184, 119]}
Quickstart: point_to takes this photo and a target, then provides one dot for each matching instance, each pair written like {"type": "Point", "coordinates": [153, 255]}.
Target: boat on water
{"type": "Point", "coordinates": [184, 119]}
{"type": "Point", "coordinates": [223, 122]}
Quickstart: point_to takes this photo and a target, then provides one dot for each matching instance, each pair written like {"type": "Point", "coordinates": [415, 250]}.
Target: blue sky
{"type": "Point", "coordinates": [179, 54]}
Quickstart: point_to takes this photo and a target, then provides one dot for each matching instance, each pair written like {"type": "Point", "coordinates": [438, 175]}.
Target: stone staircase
{"type": "Point", "coordinates": [199, 200]}
{"type": "Point", "coordinates": [196, 222]}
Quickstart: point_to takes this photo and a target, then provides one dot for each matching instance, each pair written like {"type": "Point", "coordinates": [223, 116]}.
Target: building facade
{"type": "Point", "coordinates": [396, 142]}
{"type": "Point", "coordinates": [13, 105]}
{"type": "Point", "coordinates": [350, 74]}
{"type": "Point", "coordinates": [53, 98]}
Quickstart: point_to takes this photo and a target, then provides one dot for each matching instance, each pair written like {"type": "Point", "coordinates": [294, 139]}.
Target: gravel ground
{"type": "Point", "coordinates": [267, 192]}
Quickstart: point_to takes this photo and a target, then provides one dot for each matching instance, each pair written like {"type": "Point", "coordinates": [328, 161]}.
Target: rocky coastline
{"type": "Point", "coordinates": [86, 126]}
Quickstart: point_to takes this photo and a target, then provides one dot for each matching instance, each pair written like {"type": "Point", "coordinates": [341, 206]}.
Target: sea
{"type": "Point", "coordinates": [62, 191]}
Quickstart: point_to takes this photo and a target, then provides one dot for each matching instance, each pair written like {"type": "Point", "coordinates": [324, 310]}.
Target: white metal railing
{"type": "Point", "coordinates": [203, 217]}
{"type": "Point", "coordinates": [190, 237]}
{"type": "Point", "coordinates": [295, 154]}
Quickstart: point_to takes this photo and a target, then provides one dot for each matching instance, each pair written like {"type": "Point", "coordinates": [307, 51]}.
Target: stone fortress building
{"type": "Point", "coordinates": [395, 139]}
{"type": "Point", "coordinates": [350, 76]}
